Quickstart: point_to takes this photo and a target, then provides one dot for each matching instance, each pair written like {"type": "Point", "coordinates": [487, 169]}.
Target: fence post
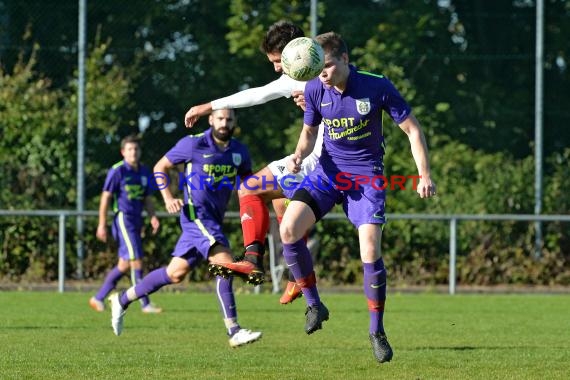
{"type": "Point", "coordinates": [276, 269]}
{"type": "Point", "coordinates": [61, 247]}
{"type": "Point", "coordinates": [274, 243]}
{"type": "Point", "coordinates": [452, 253]}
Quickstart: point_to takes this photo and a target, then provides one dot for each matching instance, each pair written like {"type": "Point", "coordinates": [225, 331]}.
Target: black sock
{"type": "Point", "coordinates": [254, 253]}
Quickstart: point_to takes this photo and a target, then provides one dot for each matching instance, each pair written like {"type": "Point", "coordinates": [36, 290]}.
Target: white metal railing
{"type": "Point", "coordinates": [277, 270]}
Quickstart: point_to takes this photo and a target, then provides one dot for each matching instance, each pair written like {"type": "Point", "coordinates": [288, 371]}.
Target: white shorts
{"type": "Point", "coordinates": [286, 179]}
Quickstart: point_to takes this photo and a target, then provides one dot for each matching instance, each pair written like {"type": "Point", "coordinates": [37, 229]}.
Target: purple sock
{"type": "Point", "coordinates": [375, 292]}
{"type": "Point", "coordinates": [226, 299]}
{"type": "Point", "coordinates": [138, 276]}
{"type": "Point", "coordinates": [149, 284]}
{"type": "Point", "coordinates": [109, 284]}
{"type": "Point", "coordinates": [300, 263]}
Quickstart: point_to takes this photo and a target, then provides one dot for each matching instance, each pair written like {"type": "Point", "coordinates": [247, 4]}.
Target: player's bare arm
{"type": "Point", "coordinates": [103, 207]}
{"type": "Point", "coordinates": [149, 207]}
{"type": "Point", "coordinates": [299, 99]}
{"type": "Point", "coordinates": [305, 146]}
{"type": "Point", "coordinates": [194, 114]}
{"type": "Point", "coordinates": [278, 88]}
{"type": "Point", "coordinates": [426, 187]}
{"type": "Point", "coordinates": [173, 205]}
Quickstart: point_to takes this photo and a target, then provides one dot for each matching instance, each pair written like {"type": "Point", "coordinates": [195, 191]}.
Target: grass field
{"type": "Point", "coordinates": [56, 336]}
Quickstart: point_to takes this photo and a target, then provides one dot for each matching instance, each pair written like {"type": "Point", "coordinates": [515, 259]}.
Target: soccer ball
{"type": "Point", "coordinates": [303, 59]}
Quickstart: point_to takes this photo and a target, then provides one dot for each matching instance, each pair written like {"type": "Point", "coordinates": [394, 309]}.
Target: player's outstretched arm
{"type": "Point", "coordinates": [426, 187]}
{"type": "Point", "coordinates": [282, 87]}
{"type": "Point", "coordinates": [194, 113]}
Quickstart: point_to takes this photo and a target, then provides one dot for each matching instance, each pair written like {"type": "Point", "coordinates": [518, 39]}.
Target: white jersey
{"type": "Point", "coordinates": [282, 87]}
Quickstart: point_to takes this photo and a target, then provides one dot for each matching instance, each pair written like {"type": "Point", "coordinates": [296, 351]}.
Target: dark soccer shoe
{"type": "Point", "coordinates": [381, 348]}
{"type": "Point", "coordinates": [316, 315]}
{"type": "Point", "coordinates": [244, 269]}
{"type": "Point", "coordinates": [218, 270]}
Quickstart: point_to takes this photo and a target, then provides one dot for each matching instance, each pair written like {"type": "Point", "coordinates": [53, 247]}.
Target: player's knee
{"type": "Point", "coordinates": [370, 253]}
{"type": "Point", "coordinates": [177, 276]}
{"type": "Point", "coordinates": [288, 232]}
{"type": "Point", "coordinates": [176, 273]}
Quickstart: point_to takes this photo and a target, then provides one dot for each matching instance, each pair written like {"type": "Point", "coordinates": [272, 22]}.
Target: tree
{"type": "Point", "coordinates": [37, 138]}
{"type": "Point", "coordinates": [37, 153]}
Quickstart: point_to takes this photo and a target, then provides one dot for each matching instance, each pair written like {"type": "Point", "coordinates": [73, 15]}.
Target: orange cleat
{"type": "Point", "coordinates": [291, 293]}
{"type": "Point", "coordinates": [96, 305]}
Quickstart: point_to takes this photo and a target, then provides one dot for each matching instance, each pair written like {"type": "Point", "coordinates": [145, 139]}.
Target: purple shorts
{"type": "Point", "coordinates": [363, 203]}
{"type": "Point", "coordinates": [198, 236]}
{"type": "Point", "coordinates": [127, 232]}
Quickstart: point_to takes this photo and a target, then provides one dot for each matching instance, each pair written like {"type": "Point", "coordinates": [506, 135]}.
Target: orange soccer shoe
{"type": "Point", "coordinates": [96, 305]}
{"type": "Point", "coordinates": [291, 293]}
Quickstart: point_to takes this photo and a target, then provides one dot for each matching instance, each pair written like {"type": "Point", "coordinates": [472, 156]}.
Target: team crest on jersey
{"type": "Point", "coordinates": [363, 106]}
{"type": "Point", "coordinates": [236, 158]}
{"type": "Point", "coordinates": [144, 181]}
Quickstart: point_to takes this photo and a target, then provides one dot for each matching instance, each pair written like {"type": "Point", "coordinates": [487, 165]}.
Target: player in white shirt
{"type": "Point", "coordinates": [261, 187]}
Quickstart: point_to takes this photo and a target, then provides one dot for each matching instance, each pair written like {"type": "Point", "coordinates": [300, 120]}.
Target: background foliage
{"type": "Point", "coordinates": [466, 67]}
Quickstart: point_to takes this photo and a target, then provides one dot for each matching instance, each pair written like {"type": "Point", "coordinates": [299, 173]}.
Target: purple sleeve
{"type": "Point", "coordinates": [149, 177]}
{"type": "Point", "coordinates": [245, 167]}
{"type": "Point", "coordinates": [313, 96]}
{"type": "Point", "coordinates": [394, 103]}
{"type": "Point", "coordinates": [182, 151]}
{"type": "Point", "coordinates": [113, 181]}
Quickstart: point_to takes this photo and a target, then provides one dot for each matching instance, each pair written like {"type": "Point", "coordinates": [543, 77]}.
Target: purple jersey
{"type": "Point", "coordinates": [209, 174]}
{"type": "Point", "coordinates": [129, 188]}
{"type": "Point", "coordinates": [353, 136]}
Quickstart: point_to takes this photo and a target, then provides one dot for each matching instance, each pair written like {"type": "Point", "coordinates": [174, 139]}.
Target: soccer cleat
{"type": "Point", "coordinates": [217, 269]}
{"type": "Point", "coordinates": [117, 314]}
{"type": "Point", "coordinates": [244, 336]}
{"type": "Point", "coordinates": [291, 293]}
{"type": "Point", "coordinates": [316, 315]}
{"type": "Point", "coordinates": [151, 309]}
{"type": "Point", "coordinates": [96, 304]}
{"type": "Point", "coordinates": [244, 269]}
{"type": "Point", "coordinates": [381, 348]}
